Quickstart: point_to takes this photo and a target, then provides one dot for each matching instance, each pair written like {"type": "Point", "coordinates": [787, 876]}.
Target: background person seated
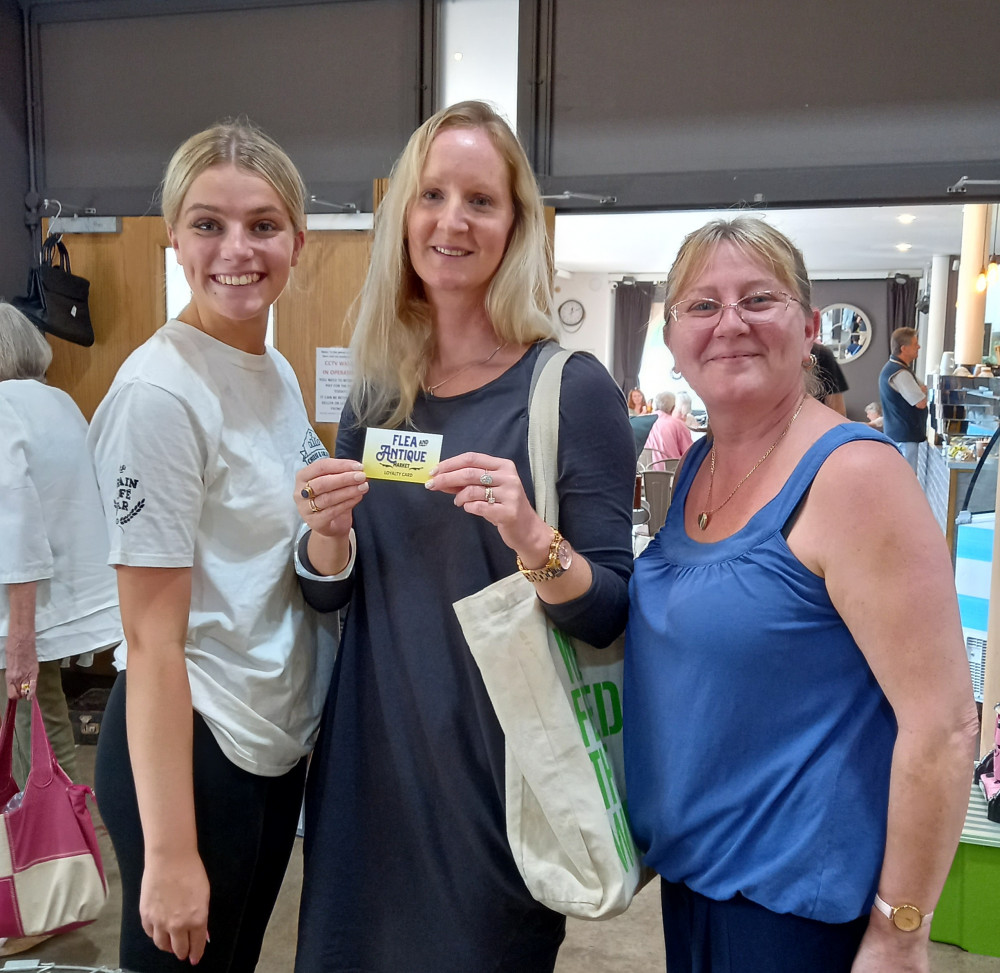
{"type": "Point", "coordinates": [670, 437]}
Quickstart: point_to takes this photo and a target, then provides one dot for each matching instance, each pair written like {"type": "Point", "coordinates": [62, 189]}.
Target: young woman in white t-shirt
{"type": "Point", "coordinates": [202, 761]}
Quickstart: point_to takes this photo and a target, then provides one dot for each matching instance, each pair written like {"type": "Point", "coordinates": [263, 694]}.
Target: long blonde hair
{"type": "Point", "coordinates": [393, 336]}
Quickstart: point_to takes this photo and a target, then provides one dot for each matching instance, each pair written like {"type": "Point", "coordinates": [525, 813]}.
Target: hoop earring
{"type": "Point", "coordinates": [675, 375]}
{"type": "Point", "coordinates": [810, 363]}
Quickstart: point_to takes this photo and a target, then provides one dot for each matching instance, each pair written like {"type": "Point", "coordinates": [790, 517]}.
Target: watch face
{"type": "Point", "coordinates": [571, 314]}
{"type": "Point", "coordinates": [564, 553]}
{"type": "Point", "coordinates": [906, 918]}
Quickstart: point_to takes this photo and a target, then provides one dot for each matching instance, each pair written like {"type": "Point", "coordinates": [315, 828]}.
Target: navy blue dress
{"type": "Point", "coordinates": [407, 864]}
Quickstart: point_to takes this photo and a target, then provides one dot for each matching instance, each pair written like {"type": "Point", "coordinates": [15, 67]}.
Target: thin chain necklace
{"type": "Point", "coordinates": [431, 389]}
{"type": "Point", "coordinates": [706, 515]}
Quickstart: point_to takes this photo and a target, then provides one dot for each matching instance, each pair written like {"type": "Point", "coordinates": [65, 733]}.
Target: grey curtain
{"type": "Point", "coordinates": [901, 302]}
{"type": "Point", "coordinates": [632, 306]}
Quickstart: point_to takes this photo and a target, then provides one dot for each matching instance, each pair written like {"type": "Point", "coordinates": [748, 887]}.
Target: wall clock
{"type": "Point", "coordinates": [571, 314]}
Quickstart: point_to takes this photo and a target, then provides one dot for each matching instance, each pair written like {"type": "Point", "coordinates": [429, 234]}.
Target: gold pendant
{"type": "Point", "coordinates": [703, 520]}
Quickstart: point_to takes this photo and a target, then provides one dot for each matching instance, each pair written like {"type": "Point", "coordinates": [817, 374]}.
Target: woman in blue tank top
{"type": "Point", "coordinates": [799, 720]}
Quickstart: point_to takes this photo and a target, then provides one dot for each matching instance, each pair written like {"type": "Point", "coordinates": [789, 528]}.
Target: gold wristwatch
{"type": "Point", "coordinates": [906, 917]}
{"type": "Point", "coordinates": [560, 558]}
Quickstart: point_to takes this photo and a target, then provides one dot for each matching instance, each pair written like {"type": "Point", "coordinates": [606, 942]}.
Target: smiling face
{"type": "Point", "coordinates": [730, 362]}
{"type": "Point", "coordinates": [235, 240]}
{"type": "Point", "coordinates": [458, 224]}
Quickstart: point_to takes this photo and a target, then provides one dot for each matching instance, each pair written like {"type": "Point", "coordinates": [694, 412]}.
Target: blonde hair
{"type": "Point", "coordinates": [754, 238]}
{"type": "Point", "coordinates": [24, 352]}
{"type": "Point", "coordinates": [393, 335]}
{"type": "Point", "coordinates": [243, 145]}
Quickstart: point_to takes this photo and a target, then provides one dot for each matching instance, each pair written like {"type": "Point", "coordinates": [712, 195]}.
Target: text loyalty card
{"type": "Point", "coordinates": [397, 454]}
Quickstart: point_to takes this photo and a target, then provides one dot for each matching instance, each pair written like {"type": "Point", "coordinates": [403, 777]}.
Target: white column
{"type": "Point", "coordinates": [970, 313]}
{"type": "Point", "coordinates": [938, 311]}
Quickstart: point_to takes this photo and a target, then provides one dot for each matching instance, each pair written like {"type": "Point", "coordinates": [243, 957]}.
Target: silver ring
{"type": "Point", "coordinates": [486, 479]}
{"type": "Point", "coordinates": [312, 506]}
{"type": "Point", "coordinates": [490, 498]}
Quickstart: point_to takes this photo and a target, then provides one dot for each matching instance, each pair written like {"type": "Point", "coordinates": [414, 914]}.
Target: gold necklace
{"type": "Point", "coordinates": [430, 389]}
{"type": "Point", "coordinates": [706, 515]}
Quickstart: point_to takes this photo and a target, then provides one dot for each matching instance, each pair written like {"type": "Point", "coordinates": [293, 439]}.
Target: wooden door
{"type": "Point", "coordinates": [127, 304]}
{"type": "Point", "coordinates": [313, 311]}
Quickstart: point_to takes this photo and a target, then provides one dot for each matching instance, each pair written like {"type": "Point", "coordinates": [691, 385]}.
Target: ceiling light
{"type": "Point", "coordinates": [457, 56]}
{"type": "Point", "coordinates": [992, 270]}
{"type": "Point", "coordinates": [903, 247]}
{"type": "Point", "coordinates": [981, 282]}
{"type": "Point", "coordinates": [906, 218]}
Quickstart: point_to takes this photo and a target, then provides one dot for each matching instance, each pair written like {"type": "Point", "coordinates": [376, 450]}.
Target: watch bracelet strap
{"type": "Point", "coordinates": [886, 910]}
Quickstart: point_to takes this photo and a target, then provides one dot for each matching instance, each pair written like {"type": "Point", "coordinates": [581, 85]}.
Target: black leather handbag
{"type": "Point", "coordinates": [56, 301]}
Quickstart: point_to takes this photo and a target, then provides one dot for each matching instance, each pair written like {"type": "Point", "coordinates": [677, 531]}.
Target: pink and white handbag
{"type": "Point", "coordinates": [51, 876]}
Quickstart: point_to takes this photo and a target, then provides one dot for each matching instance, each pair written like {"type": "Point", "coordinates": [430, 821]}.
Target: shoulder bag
{"type": "Point", "coordinates": [558, 702]}
{"type": "Point", "coordinates": [51, 875]}
{"type": "Point", "coordinates": [57, 300]}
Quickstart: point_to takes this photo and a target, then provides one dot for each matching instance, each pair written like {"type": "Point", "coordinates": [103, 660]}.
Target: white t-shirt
{"type": "Point", "coordinates": [51, 528]}
{"type": "Point", "coordinates": [196, 446]}
{"type": "Point", "coordinates": [905, 383]}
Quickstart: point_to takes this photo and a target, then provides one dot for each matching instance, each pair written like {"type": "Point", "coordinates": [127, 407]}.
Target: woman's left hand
{"type": "Point", "coordinates": [885, 949]}
{"type": "Point", "coordinates": [489, 487]}
{"type": "Point", "coordinates": [22, 665]}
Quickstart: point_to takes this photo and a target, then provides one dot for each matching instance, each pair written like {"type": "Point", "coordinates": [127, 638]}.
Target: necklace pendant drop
{"type": "Point", "coordinates": [703, 520]}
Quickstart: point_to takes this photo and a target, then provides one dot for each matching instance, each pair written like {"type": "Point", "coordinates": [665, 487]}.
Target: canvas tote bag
{"type": "Point", "coordinates": [558, 702]}
{"type": "Point", "coordinates": [51, 875]}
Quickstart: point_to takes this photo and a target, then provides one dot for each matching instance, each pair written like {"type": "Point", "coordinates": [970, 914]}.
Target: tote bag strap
{"type": "Point", "coordinates": [43, 760]}
{"type": "Point", "coordinates": [7, 786]}
{"type": "Point", "coordinates": [543, 429]}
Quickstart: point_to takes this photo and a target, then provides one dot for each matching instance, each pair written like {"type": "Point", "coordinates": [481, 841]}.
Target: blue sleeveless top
{"type": "Point", "coordinates": [757, 741]}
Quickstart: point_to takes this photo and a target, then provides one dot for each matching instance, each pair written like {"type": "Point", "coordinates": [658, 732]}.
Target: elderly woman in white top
{"type": "Point", "coordinates": [60, 597]}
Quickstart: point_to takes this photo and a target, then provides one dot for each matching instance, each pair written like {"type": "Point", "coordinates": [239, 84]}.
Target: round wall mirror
{"type": "Point", "coordinates": [846, 330]}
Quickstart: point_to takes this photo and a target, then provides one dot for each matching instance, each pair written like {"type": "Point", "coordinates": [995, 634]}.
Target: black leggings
{"type": "Point", "coordinates": [246, 828]}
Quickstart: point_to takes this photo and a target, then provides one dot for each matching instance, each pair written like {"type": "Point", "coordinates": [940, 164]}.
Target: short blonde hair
{"type": "Point", "coordinates": [757, 240]}
{"type": "Point", "coordinates": [393, 336]}
{"type": "Point", "coordinates": [243, 145]}
{"type": "Point", "coordinates": [24, 352]}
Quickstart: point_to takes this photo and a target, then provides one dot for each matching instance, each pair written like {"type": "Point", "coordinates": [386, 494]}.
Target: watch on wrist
{"type": "Point", "coordinates": [906, 917]}
{"type": "Point", "coordinates": [560, 558]}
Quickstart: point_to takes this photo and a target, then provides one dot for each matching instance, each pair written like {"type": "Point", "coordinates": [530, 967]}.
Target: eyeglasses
{"type": "Point", "coordinates": [760, 308]}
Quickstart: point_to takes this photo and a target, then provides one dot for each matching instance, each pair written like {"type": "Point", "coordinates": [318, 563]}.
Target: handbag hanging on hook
{"type": "Point", "coordinates": [56, 301]}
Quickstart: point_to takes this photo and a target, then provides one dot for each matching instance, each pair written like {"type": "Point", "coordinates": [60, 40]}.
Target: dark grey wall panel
{"type": "Point", "coordinates": [708, 91]}
{"type": "Point", "coordinates": [337, 84]}
{"type": "Point", "coordinates": [15, 240]}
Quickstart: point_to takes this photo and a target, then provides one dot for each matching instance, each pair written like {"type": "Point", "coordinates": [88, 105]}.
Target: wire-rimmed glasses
{"type": "Point", "coordinates": [761, 307]}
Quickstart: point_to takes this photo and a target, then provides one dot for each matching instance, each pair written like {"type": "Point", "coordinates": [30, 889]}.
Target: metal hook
{"type": "Point", "coordinates": [339, 207]}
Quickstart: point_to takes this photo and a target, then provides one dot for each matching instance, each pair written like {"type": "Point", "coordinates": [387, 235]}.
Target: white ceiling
{"type": "Point", "coordinates": [836, 242]}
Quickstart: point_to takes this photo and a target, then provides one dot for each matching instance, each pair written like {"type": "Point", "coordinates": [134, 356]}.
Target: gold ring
{"type": "Point", "coordinates": [25, 689]}
{"type": "Point", "coordinates": [490, 498]}
{"type": "Point", "coordinates": [312, 506]}
{"type": "Point", "coordinates": [307, 493]}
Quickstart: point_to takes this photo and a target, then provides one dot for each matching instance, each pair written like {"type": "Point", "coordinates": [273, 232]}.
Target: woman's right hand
{"type": "Point", "coordinates": [326, 493]}
{"type": "Point", "coordinates": [173, 906]}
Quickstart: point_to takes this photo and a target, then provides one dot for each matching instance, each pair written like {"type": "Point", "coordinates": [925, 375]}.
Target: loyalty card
{"type": "Point", "coordinates": [397, 454]}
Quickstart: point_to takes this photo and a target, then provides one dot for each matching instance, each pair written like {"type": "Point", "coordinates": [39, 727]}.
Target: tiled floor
{"type": "Point", "coordinates": [629, 944]}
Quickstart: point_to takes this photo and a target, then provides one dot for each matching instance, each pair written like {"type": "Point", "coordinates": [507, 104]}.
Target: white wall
{"type": "Point", "coordinates": [594, 292]}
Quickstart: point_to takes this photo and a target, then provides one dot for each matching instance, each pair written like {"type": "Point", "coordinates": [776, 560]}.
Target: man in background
{"type": "Point", "coordinates": [904, 399]}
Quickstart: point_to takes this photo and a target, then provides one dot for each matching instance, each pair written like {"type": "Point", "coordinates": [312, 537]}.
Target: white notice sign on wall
{"type": "Point", "coordinates": [333, 382]}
